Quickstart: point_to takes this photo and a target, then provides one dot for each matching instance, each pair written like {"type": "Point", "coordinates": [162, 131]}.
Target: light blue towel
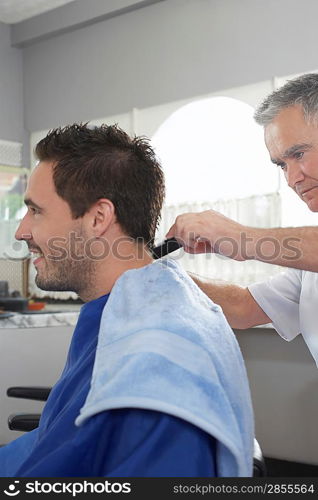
{"type": "Point", "coordinates": [163, 345]}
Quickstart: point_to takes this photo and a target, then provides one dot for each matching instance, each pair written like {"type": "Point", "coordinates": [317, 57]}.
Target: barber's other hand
{"type": "Point", "coordinates": [208, 231]}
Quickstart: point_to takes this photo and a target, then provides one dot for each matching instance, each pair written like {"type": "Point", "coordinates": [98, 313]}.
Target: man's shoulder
{"type": "Point", "coordinates": [161, 297]}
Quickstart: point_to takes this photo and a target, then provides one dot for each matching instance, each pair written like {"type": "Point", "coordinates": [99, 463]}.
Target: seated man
{"type": "Point", "coordinates": [154, 383]}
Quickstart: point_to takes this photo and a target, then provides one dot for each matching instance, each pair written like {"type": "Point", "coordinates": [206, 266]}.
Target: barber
{"type": "Point", "coordinates": [288, 300]}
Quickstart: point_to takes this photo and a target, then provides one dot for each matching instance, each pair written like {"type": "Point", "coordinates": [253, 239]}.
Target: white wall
{"type": "Point", "coordinates": [175, 49]}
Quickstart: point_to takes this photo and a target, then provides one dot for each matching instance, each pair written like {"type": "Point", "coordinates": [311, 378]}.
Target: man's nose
{"type": "Point", "coordinates": [22, 232]}
{"type": "Point", "coordinates": [294, 174]}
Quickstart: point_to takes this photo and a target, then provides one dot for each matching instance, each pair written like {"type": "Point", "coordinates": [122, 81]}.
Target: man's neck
{"type": "Point", "coordinates": [130, 256]}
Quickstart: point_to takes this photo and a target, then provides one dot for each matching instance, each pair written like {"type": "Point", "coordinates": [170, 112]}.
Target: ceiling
{"type": "Point", "coordinates": [14, 11]}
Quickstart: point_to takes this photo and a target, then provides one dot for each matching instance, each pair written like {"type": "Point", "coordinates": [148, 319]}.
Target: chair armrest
{"type": "Point", "coordinates": [259, 467]}
{"type": "Point", "coordinates": [37, 393]}
{"type": "Point", "coordinates": [23, 422]}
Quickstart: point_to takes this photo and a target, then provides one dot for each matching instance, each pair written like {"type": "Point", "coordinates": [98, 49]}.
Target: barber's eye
{"type": "Point", "coordinates": [299, 155]}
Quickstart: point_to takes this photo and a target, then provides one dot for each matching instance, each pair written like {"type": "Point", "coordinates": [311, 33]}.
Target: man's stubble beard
{"type": "Point", "coordinates": [66, 275]}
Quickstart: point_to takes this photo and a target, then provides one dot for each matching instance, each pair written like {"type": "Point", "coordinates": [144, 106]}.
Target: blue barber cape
{"type": "Point", "coordinates": [123, 442]}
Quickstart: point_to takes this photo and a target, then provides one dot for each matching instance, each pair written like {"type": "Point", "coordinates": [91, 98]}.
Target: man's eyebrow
{"type": "Point", "coordinates": [290, 151]}
{"type": "Point", "coordinates": [296, 147]}
{"type": "Point", "coordinates": [30, 203]}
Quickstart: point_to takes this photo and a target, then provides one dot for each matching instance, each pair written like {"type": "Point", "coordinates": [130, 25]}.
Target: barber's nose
{"type": "Point", "coordinates": [23, 232]}
{"type": "Point", "coordinates": [294, 174]}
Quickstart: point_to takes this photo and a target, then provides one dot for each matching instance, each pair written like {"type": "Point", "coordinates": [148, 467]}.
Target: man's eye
{"type": "Point", "coordinates": [282, 165]}
{"type": "Point", "coordinates": [34, 210]}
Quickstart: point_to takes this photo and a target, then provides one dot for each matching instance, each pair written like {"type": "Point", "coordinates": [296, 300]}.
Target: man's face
{"type": "Point", "coordinates": [293, 145]}
{"type": "Point", "coordinates": [56, 239]}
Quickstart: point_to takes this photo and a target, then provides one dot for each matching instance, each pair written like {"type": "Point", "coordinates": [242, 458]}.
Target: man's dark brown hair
{"type": "Point", "coordinates": [104, 162]}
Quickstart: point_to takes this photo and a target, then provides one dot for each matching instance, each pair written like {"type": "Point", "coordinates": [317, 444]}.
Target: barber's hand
{"type": "Point", "coordinates": [208, 231]}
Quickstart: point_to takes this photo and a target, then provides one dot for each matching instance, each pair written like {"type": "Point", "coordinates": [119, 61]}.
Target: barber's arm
{"type": "Point", "coordinates": [238, 305]}
{"type": "Point", "coordinates": [210, 231]}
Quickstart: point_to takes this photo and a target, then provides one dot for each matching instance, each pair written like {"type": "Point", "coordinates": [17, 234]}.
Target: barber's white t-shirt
{"type": "Point", "coordinates": [290, 300]}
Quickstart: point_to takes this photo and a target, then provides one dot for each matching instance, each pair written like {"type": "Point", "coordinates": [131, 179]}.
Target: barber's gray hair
{"type": "Point", "coordinates": [302, 91]}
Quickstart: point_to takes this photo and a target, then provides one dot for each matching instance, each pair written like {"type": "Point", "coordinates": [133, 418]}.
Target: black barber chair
{"type": "Point", "coordinates": [26, 421]}
{"type": "Point", "coordinates": [29, 421]}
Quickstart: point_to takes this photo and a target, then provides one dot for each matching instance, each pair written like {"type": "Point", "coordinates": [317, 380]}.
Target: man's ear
{"type": "Point", "coordinates": [102, 216]}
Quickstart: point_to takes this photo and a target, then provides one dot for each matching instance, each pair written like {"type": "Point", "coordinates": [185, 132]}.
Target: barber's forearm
{"type": "Point", "coordinates": [295, 247]}
{"type": "Point", "coordinates": [230, 297]}
{"type": "Point", "coordinates": [237, 303]}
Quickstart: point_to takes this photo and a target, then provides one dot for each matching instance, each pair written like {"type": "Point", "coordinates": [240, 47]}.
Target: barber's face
{"type": "Point", "coordinates": [293, 146]}
{"type": "Point", "coordinates": [55, 239]}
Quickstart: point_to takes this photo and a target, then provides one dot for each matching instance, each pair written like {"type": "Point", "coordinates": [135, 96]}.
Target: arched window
{"type": "Point", "coordinates": [212, 149]}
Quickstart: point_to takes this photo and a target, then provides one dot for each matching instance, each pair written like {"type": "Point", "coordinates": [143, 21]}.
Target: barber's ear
{"type": "Point", "coordinates": [102, 216]}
